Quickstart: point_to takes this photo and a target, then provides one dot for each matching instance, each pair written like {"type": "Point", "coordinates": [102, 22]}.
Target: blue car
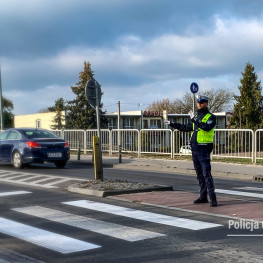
{"type": "Point", "coordinates": [27, 145]}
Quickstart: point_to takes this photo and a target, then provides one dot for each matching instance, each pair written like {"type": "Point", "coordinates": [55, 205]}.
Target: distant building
{"type": "Point", "coordinates": [128, 120]}
{"type": "Point", "coordinates": [37, 120]}
{"type": "Point", "coordinates": [155, 119]}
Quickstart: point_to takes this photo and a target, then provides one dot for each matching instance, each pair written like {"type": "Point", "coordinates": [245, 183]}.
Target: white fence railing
{"type": "Point", "coordinates": [127, 139]}
{"type": "Point", "coordinates": [228, 143]}
{"type": "Point", "coordinates": [156, 141]}
{"type": "Point", "coordinates": [258, 145]}
{"type": "Point", "coordinates": [233, 143]}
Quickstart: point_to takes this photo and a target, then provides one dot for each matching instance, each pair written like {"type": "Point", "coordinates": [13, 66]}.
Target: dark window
{"type": "Point", "coordinates": [3, 135]}
{"type": "Point", "coordinates": [128, 123]}
{"type": "Point", "coordinates": [39, 134]}
{"type": "Point", "coordinates": [14, 135]}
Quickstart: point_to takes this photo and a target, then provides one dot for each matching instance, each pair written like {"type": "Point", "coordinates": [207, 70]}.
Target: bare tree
{"type": "Point", "coordinates": [220, 100]}
{"type": "Point", "coordinates": [161, 105]}
{"type": "Point", "coordinates": [44, 110]}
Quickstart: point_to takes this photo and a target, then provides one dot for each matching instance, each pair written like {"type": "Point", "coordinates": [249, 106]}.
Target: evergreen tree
{"type": "Point", "coordinates": [80, 115]}
{"type": "Point", "coordinates": [8, 116]}
{"type": "Point", "coordinates": [59, 119]}
{"type": "Point", "coordinates": [247, 111]}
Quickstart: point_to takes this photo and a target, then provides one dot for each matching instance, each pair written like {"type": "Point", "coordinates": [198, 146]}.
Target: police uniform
{"type": "Point", "coordinates": [202, 134]}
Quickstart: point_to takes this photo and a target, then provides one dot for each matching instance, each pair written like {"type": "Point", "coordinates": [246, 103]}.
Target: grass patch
{"type": "Point", "coordinates": [232, 160]}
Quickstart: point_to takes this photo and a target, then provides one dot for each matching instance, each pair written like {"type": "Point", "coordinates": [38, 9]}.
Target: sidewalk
{"type": "Point", "coordinates": [219, 169]}
{"type": "Point", "coordinates": [229, 206]}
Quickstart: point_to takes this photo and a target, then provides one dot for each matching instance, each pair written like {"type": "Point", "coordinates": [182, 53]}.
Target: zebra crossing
{"type": "Point", "coordinates": [241, 193]}
{"type": "Point", "coordinates": [35, 180]}
{"type": "Point", "coordinates": [65, 244]}
{"type": "Point", "coordinates": [47, 239]}
{"type": "Point", "coordinates": [142, 215]}
{"type": "Point", "coordinates": [14, 193]}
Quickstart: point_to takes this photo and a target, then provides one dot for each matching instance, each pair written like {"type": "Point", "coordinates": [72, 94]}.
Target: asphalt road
{"type": "Point", "coordinates": [162, 240]}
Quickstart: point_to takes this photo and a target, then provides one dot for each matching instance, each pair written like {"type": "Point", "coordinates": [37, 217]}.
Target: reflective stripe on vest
{"type": "Point", "coordinates": [204, 136]}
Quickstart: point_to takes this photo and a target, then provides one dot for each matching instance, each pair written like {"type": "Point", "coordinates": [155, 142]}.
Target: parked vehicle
{"type": "Point", "coordinates": [186, 149]}
{"type": "Point", "coordinates": [20, 146]}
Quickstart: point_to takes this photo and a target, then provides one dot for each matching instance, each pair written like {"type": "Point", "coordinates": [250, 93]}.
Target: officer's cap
{"type": "Point", "coordinates": [201, 98]}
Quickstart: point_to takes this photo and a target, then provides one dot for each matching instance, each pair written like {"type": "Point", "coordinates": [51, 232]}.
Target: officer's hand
{"type": "Point", "coordinates": [191, 114]}
{"type": "Point", "coordinates": [167, 122]}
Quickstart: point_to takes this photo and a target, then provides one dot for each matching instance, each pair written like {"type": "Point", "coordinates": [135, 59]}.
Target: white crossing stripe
{"type": "Point", "coordinates": [260, 189]}
{"type": "Point", "coordinates": [7, 174]}
{"type": "Point", "coordinates": [28, 178]}
{"type": "Point", "coordinates": [16, 176]}
{"type": "Point", "coordinates": [26, 183]}
{"type": "Point", "coordinates": [143, 215]}
{"type": "Point", "coordinates": [14, 193]}
{"type": "Point", "coordinates": [230, 192]}
{"type": "Point", "coordinates": [114, 230]}
{"type": "Point", "coordinates": [57, 182]}
{"type": "Point", "coordinates": [43, 180]}
{"type": "Point", "coordinates": [47, 239]}
{"type": "Point", "coordinates": [34, 179]}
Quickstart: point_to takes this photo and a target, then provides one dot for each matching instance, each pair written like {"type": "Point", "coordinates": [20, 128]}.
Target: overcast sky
{"type": "Point", "coordinates": [140, 50]}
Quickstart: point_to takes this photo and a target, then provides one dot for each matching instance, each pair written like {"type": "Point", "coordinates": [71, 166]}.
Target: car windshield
{"type": "Point", "coordinates": [39, 134]}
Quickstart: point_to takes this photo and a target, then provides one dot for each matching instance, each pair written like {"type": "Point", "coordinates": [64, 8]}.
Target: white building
{"type": "Point", "coordinates": [155, 119]}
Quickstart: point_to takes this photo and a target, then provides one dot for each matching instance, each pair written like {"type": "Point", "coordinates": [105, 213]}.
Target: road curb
{"type": "Point", "coordinates": [74, 188]}
{"type": "Point", "coordinates": [87, 163]}
{"type": "Point", "coordinates": [186, 171]}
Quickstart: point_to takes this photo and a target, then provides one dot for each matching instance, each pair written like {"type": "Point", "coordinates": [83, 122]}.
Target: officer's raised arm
{"type": "Point", "coordinates": [181, 127]}
{"type": "Point", "coordinates": [206, 126]}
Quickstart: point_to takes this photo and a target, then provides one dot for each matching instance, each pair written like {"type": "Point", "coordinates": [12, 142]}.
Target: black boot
{"type": "Point", "coordinates": [200, 200]}
{"type": "Point", "coordinates": [213, 203]}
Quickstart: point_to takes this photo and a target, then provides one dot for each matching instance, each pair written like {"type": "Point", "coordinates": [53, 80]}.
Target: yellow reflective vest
{"type": "Point", "coordinates": [205, 136]}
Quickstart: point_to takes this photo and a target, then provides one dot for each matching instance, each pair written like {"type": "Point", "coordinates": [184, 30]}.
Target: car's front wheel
{"type": "Point", "coordinates": [60, 164]}
{"type": "Point", "coordinates": [17, 160]}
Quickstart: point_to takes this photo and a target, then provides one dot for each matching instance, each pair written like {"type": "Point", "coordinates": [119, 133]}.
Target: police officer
{"type": "Point", "coordinates": [202, 133]}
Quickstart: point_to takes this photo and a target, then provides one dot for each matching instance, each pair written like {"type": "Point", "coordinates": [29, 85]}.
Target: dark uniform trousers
{"type": "Point", "coordinates": [201, 160]}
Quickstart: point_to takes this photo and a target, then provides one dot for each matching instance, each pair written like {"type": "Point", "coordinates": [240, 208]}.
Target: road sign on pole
{"type": "Point", "coordinates": [91, 89]}
{"type": "Point", "coordinates": [93, 94]}
{"type": "Point", "coordinates": [194, 89]}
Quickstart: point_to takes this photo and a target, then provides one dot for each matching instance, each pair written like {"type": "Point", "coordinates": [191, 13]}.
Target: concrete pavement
{"type": "Point", "coordinates": [219, 169]}
{"type": "Point", "coordinates": [229, 206]}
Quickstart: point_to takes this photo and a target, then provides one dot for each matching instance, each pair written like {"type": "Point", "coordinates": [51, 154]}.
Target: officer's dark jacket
{"type": "Point", "coordinates": [197, 120]}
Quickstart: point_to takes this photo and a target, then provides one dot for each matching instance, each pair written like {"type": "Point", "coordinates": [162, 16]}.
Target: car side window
{"type": "Point", "coordinates": [14, 135]}
{"type": "Point", "coordinates": [3, 135]}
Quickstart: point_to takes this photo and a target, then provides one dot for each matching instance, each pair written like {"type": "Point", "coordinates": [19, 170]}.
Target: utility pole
{"type": "Point", "coordinates": [119, 133]}
{"type": "Point", "coordinates": [1, 102]}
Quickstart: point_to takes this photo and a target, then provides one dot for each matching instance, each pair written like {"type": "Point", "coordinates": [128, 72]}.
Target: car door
{"type": "Point", "coordinates": [11, 142]}
{"type": "Point", "coordinates": [3, 141]}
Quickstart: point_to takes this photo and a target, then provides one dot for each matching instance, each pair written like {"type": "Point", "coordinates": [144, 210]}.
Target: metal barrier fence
{"type": "Point", "coordinates": [129, 140]}
{"type": "Point", "coordinates": [258, 144]}
{"type": "Point", "coordinates": [181, 143]}
{"type": "Point", "coordinates": [75, 138]}
{"type": "Point", "coordinates": [105, 138]}
{"type": "Point", "coordinates": [156, 141]}
{"type": "Point", "coordinates": [234, 143]}
{"type": "Point", "coordinates": [228, 143]}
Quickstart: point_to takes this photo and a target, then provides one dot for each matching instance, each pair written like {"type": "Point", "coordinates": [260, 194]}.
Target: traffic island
{"type": "Point", "coordinates": [110, 188]}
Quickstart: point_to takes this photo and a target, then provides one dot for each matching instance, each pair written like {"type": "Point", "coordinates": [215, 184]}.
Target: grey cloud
{"type": "Point", "coordinates": [40, 28]}
{"type": "Point", "coordinates": [44, 44]}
